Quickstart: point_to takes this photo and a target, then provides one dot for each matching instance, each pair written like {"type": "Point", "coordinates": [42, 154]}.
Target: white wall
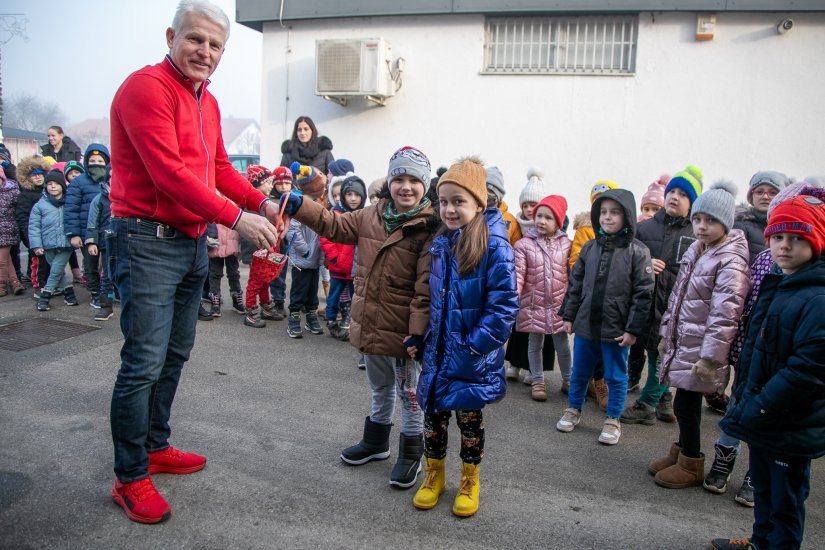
{"type": "Point", "coordinates": [748, 100]}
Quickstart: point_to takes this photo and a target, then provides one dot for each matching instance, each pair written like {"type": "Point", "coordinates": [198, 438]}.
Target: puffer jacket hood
{"type": "Point", "coordinates": [541, 270]}
{"type": "Point", "coordinates": [24, 169]}
{"type": "Point", "coordinates": [471, 317]}
{"type": "Point", "coordinates": [95, 148]}
{"type": "Point", "coordinates": [704, 310]}
{"type": "Point", "coordinates": [625, 199]}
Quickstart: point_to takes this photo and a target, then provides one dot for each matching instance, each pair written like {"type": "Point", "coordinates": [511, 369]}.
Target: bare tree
{"type": "Point", "coordinates": [26, 112]}
{"type": "Point", "coordinates": [11, 25]}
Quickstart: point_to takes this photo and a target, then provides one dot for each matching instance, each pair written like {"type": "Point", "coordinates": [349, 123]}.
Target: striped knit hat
{"type": "Point", "coordinates": [688, 180]}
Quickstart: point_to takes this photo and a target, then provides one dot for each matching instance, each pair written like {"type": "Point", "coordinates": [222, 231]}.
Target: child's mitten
{"type": "Point", "coordinates": [705, 370]}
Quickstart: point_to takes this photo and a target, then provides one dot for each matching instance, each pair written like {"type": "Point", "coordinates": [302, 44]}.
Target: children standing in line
{"type": "Point", "coordinates": [607, 304]}
{"type": "Point", "coordinates": [778, 405]}
{"type": "Point", "coordinates": [47, 237]}
{"type": "Point", "coordinates": [472, 304]}
{"type": "Point", "coordinates": [340, 258]}
{"type": "Point", "coordinates": [668, 235]}
{"type": "Point", "coordinates": [305, 257]}
{"type": "Point", "coordinates": [698, 328]}
{"type": "Point", "coordinates": [391, 302]}
{"type": "Point", "coordinates": [541, 268]}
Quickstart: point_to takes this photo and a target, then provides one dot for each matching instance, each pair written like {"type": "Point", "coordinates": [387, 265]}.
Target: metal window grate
{"type": "Point", "coordinates": [601, 45]}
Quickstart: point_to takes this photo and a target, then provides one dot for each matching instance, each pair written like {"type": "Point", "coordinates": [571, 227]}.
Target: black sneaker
{"type": "Point", "coordinates": [312, 324]}
{"type": "Point", "coordinates": [216, 304]}
{"type": "Point", "coordinates": [69, 297]}
{"type": "Point", "coordinates": [43, 300]}
{"type": "Point", "coordinates": [204, 314]}
{"type": "Point", "coordinates": [744, 495]}
{"type": "Point", "coordinates": [732, 544]}
{"type": "Point", "coordinates": [293, 325]}
{"type": "Point", "coordinates": [237, 303]}
{"type": "Point", "coordinates": [95, 301]}
{"type": "Point", "coordinates": [362, 363]}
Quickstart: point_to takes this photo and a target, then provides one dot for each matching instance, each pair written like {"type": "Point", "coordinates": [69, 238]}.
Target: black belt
{"type": "Point", "coordinates": [150, 228]}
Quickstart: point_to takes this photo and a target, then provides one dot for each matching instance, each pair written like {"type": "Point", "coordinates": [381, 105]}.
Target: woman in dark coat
{"type": "Point", "coordinates": [60, 147]}
{"type": "Point", "coordinates": [306, 146]}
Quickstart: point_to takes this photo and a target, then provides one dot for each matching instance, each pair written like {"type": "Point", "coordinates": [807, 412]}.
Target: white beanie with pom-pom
{"type": "Point", "coordinates": [535, 189]}
{"type": "Point", "coordinates": [718, 202]}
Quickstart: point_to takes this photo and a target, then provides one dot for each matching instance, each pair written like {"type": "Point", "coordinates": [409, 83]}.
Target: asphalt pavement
{"type": "Point", "coordinates": [272, 415]}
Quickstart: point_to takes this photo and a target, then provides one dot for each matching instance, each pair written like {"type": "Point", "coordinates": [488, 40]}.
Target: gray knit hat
{"type": "Point", "coordinates": [777, 180]}
{"type": "Point", "coordinates": [719, 202]}
{"type": "Point", "coordinates": [495, 182]}
{"type": "Point", "coordinates": [410, 161]}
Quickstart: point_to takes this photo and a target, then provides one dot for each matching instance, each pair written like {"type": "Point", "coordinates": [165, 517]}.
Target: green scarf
{"type": "Point", "coordinates": [393, 220]}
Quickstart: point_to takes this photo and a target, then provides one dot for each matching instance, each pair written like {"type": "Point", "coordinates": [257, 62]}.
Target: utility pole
{"type": "Point", "coordinates": [11, 25]}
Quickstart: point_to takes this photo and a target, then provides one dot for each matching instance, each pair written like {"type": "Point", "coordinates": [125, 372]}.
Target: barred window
{"type": "Point", "coordinates": [597, 44]}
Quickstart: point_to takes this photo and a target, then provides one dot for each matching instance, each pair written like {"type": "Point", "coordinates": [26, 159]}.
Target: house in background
{"type": "Point", "coordinates": [241, 136]}
{"type": "Point", "coordinates": [23, 143]}
{"type": "Point", "coordinates": [584, 90]}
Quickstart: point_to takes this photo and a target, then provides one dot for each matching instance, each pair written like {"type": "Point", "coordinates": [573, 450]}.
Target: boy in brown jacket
{"type": "Point", "coordinates": [390, 309]}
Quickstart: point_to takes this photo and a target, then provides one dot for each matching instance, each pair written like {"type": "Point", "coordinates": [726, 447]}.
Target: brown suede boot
{"type": "Point", "coordinates": [602, 394]}
{"type": "Point", "coordinates": [687, 472]}
{"type": "Point", "coordinates": [666, 461]}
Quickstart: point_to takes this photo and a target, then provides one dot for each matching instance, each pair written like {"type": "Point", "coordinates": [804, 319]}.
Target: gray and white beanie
{"type": "Point", "coordinates": [718, 202]}
{"type": "Point", "coordinates": [410, 161]}
{"type": "Point", "coordinates": [495, 182]}
{"type": "Point", "coordinates": [777, 180]}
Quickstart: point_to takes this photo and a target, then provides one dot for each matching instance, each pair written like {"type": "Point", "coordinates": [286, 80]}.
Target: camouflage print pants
{"type": "Point", "coordinates": [472, 435]}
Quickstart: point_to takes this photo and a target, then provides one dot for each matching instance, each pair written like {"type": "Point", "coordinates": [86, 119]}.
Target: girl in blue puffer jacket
{"type": "Point", "coordinates": [473, 302]}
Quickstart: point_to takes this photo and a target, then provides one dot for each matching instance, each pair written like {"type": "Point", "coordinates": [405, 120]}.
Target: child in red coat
{"type": "Point", "coordinates": [340, 260]}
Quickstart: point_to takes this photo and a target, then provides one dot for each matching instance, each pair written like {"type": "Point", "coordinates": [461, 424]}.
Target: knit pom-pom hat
{"type": "Point", "coordinates": [535, 189]}
{"type": "Point", "coordinates": [688, 180]}
{"type": "Point", "coordinates": [719, 202]}
{"type": "Point", "coordinates": [470, 174]}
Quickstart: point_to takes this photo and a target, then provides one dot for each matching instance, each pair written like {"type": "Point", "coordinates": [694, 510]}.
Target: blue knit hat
{"type": "Point", "coordinates": [688, 180]}
{"type": "Point", "coordinates": [340, 167]}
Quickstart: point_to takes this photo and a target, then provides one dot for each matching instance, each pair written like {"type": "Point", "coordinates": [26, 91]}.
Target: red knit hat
{"type": "Point", "coordinates": [802, 215]}
{"type": "Point", "coordinates": [557, 205]}
{"type": "Point", "coordinates": [256, 174]}
{"type": "Point", "coordinates": [281, 174]}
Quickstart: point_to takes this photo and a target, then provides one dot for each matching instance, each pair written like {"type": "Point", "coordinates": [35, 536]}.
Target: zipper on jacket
{"type": "Point", "coordinates": [203, 141]}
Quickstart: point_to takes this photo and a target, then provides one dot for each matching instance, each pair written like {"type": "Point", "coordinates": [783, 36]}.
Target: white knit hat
{"type": "Point", "coordinates": [535, 190]}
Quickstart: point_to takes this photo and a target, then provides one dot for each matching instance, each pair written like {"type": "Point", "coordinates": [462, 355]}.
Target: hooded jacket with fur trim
{"type": "Point", "coordinates": [29, 194]}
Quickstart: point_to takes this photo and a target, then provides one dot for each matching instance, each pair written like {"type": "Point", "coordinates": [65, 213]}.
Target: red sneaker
{"type": "Point", "coordinates": [141, 501]}
{"type": "Point", "coordinates": [172, 461]}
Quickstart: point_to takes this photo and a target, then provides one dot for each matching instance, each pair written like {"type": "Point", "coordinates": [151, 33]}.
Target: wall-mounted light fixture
{"type": "Point", "coordinates": [705, 26]}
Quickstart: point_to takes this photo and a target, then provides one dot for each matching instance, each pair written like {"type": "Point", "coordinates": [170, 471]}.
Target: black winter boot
{"type": "Point", "coordinates": [717, 479]}
{"type": "Point", "coordinates": [237, 302]}
{"type": "Point", "coordinates": [279, 310]}
{"type": "Point", "coordinates": [346, 317]}
{"type": "Point", "coordinates": [337, 331]}
{"type": "Point", "coordinates": [216, 304]}
{"type": "Point", "coordinates": [374, 445]}
{"type": "Point", "coordinates": [312, 324]}
{"type": "Point", "coordinates": [405, 471]}
{"type": "Point", "coordinates": [69, 297]}
{"type": "Point", "coordinates": [105, 312]}
{"type": "Point", "coordinates": [43, 300]}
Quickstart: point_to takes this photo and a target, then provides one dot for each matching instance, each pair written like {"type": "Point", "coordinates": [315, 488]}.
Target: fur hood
{"type": "Point", "coordinates": [582, 219]}
{"type": "Point", "coordinates": [25, 168]}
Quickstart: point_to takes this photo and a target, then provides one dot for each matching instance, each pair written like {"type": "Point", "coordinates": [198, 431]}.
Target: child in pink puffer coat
{"type": "Point", "coordinates": [541, 268]}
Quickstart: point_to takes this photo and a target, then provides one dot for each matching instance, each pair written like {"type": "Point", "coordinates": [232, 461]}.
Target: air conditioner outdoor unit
{"type": "Point", "coordinates": [354, 68]}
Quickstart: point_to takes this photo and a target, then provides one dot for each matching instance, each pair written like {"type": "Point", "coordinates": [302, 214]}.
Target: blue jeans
{"type": "Point", "coordinates": [57, 258]}
{"type": "Point", "coordinates": [277, 288]}
{"type": "Point", "coordinates": [780, 487]}
{"type": "Point", "coordinates": [585, 356]}
{"type": "Point", "coordinates": [160, 280]}
{"type": "Point", "coordinates": [336, 287]}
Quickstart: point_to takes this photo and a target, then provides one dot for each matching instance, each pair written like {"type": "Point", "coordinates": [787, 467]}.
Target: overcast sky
{"type": "Point", "coordinates": [79, 51]}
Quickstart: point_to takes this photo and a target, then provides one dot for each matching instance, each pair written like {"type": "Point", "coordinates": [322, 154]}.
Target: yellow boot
{"type": "Point", "coordinates": [427, 495]}
{"type": "Point", "coordinates": [466, 501]}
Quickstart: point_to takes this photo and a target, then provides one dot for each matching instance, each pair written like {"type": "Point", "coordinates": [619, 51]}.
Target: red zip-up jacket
{"type": "Point", "coordinates": [168, 155]}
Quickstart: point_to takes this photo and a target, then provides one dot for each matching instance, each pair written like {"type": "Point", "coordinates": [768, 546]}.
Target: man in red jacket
{"type": "Point", "coordinates": [168, 159]}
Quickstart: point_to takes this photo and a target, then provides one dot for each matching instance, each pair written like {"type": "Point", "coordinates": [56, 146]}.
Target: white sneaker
{"type": "Point", "coordinates": [569, 420]}
{"type": "Point", "coordinates": [511, 373]}
{"type": "Point", "coordinates": [611, 431]}
{"type": "Point", "coordinates": [525, 377]}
